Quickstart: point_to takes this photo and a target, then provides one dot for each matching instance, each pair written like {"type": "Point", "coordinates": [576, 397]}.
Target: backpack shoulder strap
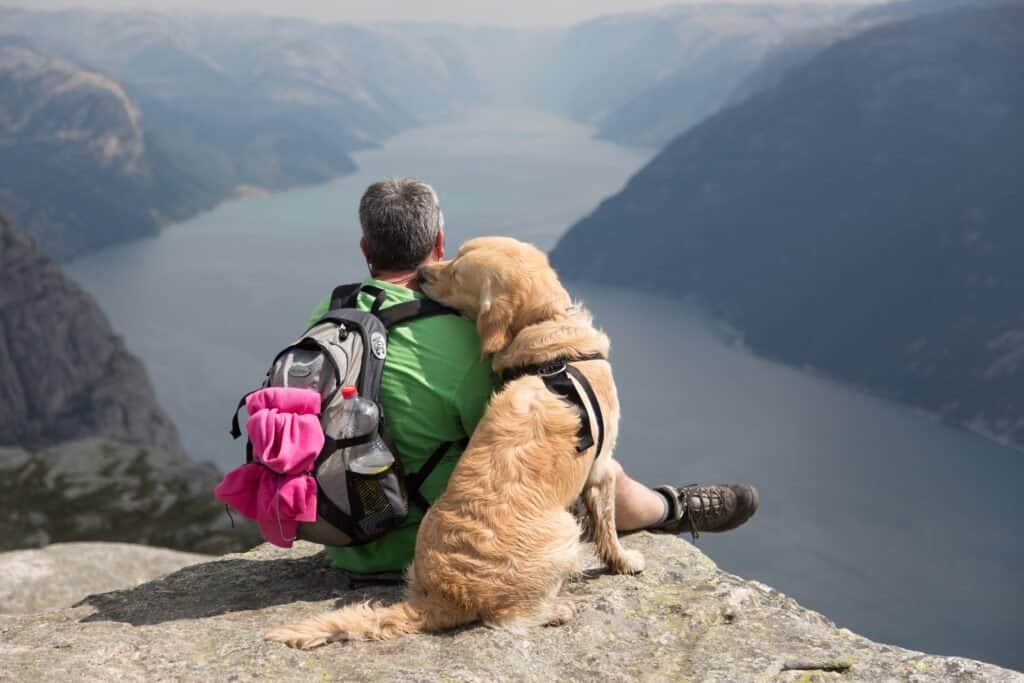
{"type": "Point", "coordinates": [415, 480]}
{"type": "Point", "coordinates": [412, 310]}
{"type": "Point", "coordinates": [344, 296]}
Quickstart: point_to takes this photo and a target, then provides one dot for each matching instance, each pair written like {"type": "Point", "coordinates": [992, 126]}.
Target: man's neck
{"type": "Point", "coordinates": [402, 278]}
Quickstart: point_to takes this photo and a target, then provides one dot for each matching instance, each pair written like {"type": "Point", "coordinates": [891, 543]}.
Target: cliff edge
{"type": "Point", "coordinates": [682, 619]}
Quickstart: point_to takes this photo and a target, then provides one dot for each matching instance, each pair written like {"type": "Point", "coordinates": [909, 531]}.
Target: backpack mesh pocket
{"type": "Point", "coordinates": [378, 501]}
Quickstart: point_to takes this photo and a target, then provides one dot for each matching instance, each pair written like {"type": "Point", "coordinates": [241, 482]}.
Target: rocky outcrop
{"type": "Point", "coordinates": [96, 490]}
{"type": "Point", "coordinates": [64, 374]}
{"type": "Point", "coordinates": [682, 619]}
{"type": "Point", "coordinates": [62, 574]}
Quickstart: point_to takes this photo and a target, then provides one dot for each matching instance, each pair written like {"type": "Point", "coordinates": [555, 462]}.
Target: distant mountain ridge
{"type": "Point", "coordinates": [214, 104]}
{"type": "Point", "coordinates": [236, 102]}
{"type": "Point", "coordinates": [798, 48]}
{"type": "Point", "coordinates": [76, 166]}
{"type": "Point", "coordinates": [644, 77]}
{"type": "Point", "coordinates": [862, 217]}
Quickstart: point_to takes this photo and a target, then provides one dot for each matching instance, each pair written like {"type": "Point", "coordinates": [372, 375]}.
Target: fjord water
{"type": "Point", "coordinates": [890, 524]}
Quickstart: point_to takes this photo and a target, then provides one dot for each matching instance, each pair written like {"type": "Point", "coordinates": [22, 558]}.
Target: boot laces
{"type": "Point", "coordinates": [702, 504]}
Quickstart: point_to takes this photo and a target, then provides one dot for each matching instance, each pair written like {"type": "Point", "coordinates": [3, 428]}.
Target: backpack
{"type": "Point", "coordinates": [347, 346]}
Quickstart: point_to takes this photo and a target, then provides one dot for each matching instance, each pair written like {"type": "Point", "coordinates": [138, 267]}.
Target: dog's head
{"type": "Point", "coordinates": [501, 283]}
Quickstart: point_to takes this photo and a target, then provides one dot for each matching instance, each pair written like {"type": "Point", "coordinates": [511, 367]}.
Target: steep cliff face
{"type": "Point", "coordinates": [862, 217]}
{"type": "Point", "coordinates": [682, 619]}
{"type": "Point", "coordinates": [64, 374]}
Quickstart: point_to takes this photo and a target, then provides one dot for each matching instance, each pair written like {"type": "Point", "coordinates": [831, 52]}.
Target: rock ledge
{"type": "Point", "coordinates": [682, 619]}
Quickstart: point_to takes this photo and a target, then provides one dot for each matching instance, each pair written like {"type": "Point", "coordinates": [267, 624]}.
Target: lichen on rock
{"type": "Point", "coordinates": [682, 619]}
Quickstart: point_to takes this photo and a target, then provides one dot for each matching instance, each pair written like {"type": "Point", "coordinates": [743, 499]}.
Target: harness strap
{"type": "Point", "coordinates": [592, 397]}
{"type": "Point", "coordinates": [555, 375]}
{"type": "Point", "coordinates": [550, 367]}
{"type": "Point", "coordinates": [559, 383]}
{"type": "Point", "coordinates": [415, 481]}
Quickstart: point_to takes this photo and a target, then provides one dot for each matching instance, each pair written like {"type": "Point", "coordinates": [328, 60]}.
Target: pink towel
{"type": "Point", "coordinates": [278, 502]}
{"type": "Point", "coordinates": [276, 490]}
{"type": "Point", "coordinates": [284, 428]}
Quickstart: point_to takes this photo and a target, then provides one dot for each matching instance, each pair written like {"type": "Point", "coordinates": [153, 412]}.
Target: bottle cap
{"type": "Point", "coordinates": [349, 391]}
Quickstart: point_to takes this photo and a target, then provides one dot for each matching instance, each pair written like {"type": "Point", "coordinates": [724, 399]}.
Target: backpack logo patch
{"type": "Point", "coordinates": [378, 345]}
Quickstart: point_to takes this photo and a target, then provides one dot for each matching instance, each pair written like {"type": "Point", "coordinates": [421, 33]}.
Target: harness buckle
{"type": "Point", "coordinates": [553, 370]}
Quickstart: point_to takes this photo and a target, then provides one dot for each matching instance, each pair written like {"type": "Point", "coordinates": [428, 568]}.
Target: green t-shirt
{"type": "Point", "coordinates": [434, 389]}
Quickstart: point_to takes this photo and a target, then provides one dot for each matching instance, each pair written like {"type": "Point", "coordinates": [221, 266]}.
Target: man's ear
{"type": "Point", "coordinates": [439, 244]}
{"type": "Point", "coordinates": [494, 321]}
{"type": "Point", "coordinates": [362, 248]}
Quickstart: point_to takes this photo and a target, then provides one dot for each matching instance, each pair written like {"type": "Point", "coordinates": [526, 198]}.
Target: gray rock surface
{"type": "Point", "coordinates": [682, 619]}
{"type": "Point", "coordinates": [64, 374]}
{"type": "Point", "coordinates": [99, 490]}
{"type": "Point", "coordinates": [62, 574]}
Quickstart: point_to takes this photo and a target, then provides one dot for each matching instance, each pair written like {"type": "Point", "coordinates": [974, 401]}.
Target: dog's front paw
{"type": "Point", "coordinates": [296, 636]}
{"type": "Point", "coordinates": [629, 562]}
{"type": "Point", "coordinates": [561, 611]}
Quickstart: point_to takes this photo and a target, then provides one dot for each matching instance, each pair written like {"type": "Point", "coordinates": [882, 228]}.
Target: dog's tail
{"type": "Point", "coordinates": [366, 621]}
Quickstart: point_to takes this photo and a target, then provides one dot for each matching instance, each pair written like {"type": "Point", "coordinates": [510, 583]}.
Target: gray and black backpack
{"type": "Point", "coordinates": [347, 346]}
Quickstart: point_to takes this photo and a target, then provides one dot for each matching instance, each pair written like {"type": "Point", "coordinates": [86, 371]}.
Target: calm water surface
{"type": "Point", "coordinates": [892, 525]}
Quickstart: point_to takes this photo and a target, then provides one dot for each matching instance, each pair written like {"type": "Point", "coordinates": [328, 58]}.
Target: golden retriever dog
{"type": "Point", "coordinates": [499, 543]}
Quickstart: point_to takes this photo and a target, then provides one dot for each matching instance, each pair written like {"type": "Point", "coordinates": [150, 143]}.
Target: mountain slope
{"type": "Point", "coordinates": [64, 374]}
{"type": "Point", "coordinates": [212, 105]}
{"type": "Point", "coordinates": [250, 85]}
{"type": "Point", "coordinates": [77, 167]}
{"type": "Point", "coordinates": [645, 77]}
{"type": "Point", "coordinates": [863, 217]}
{"type": "Point", "coordinates": [798, 49]}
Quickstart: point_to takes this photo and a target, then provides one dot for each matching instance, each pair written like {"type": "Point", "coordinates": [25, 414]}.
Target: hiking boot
{"type": "Point", "coordinates": [712, 507]}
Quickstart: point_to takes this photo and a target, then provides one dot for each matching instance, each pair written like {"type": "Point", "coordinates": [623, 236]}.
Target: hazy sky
{"type": "Point", "coordinates": [507, 12]}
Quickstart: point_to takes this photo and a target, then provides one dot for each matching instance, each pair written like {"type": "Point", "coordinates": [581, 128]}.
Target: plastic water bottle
{"type": "Point", "coordinates": [360, 417]}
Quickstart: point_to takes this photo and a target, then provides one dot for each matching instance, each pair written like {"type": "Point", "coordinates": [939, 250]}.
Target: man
{"type": "Point", "coordinates": [435, 387]}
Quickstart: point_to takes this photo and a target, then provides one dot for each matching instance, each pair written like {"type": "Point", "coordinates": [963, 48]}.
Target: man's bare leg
{"type": "Point", "coordinates": [636, 506]}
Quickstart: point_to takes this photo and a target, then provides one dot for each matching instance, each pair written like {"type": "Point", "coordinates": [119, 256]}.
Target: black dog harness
{"type": "Point", "coordinates": [557, 376]}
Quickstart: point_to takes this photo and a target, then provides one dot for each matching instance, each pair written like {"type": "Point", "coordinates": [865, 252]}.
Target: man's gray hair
{"type": "Point", "coordinates": [401, 218]}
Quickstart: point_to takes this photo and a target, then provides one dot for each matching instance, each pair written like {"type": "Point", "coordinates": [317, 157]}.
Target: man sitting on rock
{"type": "Point", "coordinates": [435, 388]}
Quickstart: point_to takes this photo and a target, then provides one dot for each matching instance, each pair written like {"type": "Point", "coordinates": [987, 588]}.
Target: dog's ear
{"type": "Point", "coordinates": [494, 321]}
